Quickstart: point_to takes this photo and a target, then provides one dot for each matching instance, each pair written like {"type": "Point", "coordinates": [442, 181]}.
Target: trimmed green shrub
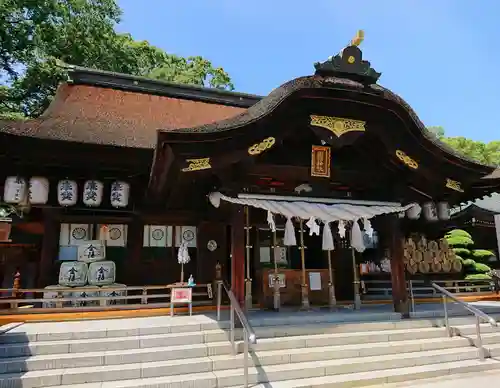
{"type": "Point", "coordinates": [469, 262]}
{"type": "Point", "coordinates": [482, 254]}
{"type": "Point", "coordinates": [481, 268]}
{"type": "Point", "coordinates": [459, 241]}
{"type": "Point", "coordinates": [464, 252]}
{"type": "Point", "coordinates": [478, 276]}
{"type": "Point", "coordinates": [458, 233]}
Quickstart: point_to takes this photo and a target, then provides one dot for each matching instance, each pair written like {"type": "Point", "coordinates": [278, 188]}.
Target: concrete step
{"type": "Point", "coordinates": [221, 352]}
{"type": "Point", "coordinates": [103, 329]}
{"type": "Point", "coordinates": [269, 339]}
{"type": "Point", "coordinates": [226, 371]}
{"type": "Point", "coordinates": [301, 325]}
{"type": "Point", "coordinates": [114, 343]}
{"type": "Point", "coordinates": [364, 379]}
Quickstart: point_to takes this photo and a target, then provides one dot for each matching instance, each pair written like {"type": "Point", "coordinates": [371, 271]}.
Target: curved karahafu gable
{"type": "Point", "coordinates": [340, 103]}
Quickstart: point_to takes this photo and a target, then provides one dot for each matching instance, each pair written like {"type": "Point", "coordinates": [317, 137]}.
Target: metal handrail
{"type": "Point", "coordinates": [248, 332]}
{"type": "Point", "coordinates": [474, 310]}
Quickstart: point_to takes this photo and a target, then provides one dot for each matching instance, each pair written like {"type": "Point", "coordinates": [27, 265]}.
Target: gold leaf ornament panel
{"type": "Point", "coordinates": [197, 164]}
{"type": "Point", "coordinates": [262, 146]}
{"type": "Point", "coordinates": [454, 185]}
{"type": "Point", "coordinates": [337, 125]}
{"type": "Point", "coordinates": [407, 160]}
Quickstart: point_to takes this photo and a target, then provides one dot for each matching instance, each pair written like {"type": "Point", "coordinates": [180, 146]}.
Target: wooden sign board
{"type": "Point", "coordinates": [281, 280]}
{"type": "Point", "coordinates": [321, 161]}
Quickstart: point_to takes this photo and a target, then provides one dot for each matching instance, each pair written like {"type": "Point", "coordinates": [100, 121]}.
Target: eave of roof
{"type": "Point", "coordinates": [84, 76]}
{"type": "Point", "coordinates": [490, 204]}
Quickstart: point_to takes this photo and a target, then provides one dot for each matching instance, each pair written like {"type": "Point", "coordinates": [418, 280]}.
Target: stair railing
{"type": "Point", "coordinates": [480, 315]}
{"type": "Point", "coordinates": [248, 332]}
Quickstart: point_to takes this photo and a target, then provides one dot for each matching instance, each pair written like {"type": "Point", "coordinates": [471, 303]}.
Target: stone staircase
{"type": "Point", "coordinates": [195, 352]}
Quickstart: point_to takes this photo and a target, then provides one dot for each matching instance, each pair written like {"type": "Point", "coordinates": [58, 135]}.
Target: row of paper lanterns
{"type": "Point", "coordinates": [16, 188]}
{"type": "Point", "coordinates": [432, 212]}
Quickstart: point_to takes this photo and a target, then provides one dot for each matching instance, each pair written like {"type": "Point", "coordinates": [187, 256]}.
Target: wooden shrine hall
{"type": "Point", "coordinates": [283, 196]}
{"type": "Point", "coordinates": [334, 146]}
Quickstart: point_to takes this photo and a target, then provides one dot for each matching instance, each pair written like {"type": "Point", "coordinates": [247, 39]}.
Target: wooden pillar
{"type": "Point", "coordinates": [135, 241]}
{"type": "Point", "coordinates": [395, 242]}
{"type": "Point", "coordinates": [238, 253]}
{"type": "Point", "coordinates": [50, 246]}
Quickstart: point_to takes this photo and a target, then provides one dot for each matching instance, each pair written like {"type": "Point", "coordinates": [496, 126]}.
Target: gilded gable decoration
{"type": "Point", "coordinates": [454, 185]}
{"type": "Point", "coordinates": [197, 165]}
{"type": "Point", "coordinates": [408, 161]}
{"type": "Point", "coordinates": [264, 145]}
{"type": "Point", "coordinates": [337, 125]}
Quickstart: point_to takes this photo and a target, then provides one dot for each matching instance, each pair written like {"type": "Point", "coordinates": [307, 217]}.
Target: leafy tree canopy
{"type": "Point", "coordinates": [37, 37]}
{"type": "Point", "coordinates": [486, 153]}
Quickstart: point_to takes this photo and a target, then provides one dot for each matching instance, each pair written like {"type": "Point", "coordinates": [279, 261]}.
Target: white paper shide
{"type": "Point", "coordinates": [102, 273]}
{"type": "Point", "coordinates": [73, 274]}
{"type": "Point", "coordinates": [38, 190]}
{"type": "Point", "coordinates": [92, 193]}
{"type": "Point", "coordinates": [15, 189]}
{"type": "Point", "coordinates": [67, 192]}
{"type": "Point", "coordinates": [119, 195]}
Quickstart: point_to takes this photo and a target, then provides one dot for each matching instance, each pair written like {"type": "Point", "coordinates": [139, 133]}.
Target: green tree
{"type": "Point", "coordinates": [486, 153]}
{"type": "Point", "coordinates": [37, 37]}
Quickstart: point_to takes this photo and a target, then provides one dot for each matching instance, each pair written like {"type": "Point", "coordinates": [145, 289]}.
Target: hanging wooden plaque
{"type": "Point", "coordinates": [320, 161]}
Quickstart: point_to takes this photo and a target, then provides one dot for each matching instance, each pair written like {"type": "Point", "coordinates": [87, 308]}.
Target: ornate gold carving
{"type": "Point", "coordinates": [264, 145]}
{"type": "Point", "coordinates": [406, 159]}
{"type": "Point", "coordinates": [454, 185]}
{"type": "Point", "coordinates": [358, 39]}
{"type": "Point", "coordinates": [197, 164]}
{"type": "Point", "coordinates": [338, 126]}
{"type": "Point", "coordinates": [351, 59]}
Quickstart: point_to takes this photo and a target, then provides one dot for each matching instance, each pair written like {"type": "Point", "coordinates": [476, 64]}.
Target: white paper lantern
{"type": "Point", "coordinates": [430, 211]}
{"type": "Point", "coordinates": [120, 192]}
{"type": "Point", "coordinates": [92, 193]}
{"type": "Point", "coordinates": [413, 213]}
{"type": "Point", "coordinates": [102, 273]}
{"type": "Point", "coordinates": [15, 189]}
{"type": "Point", "coordinates": [67, 193]}
{"type": "Point", "coordinates": [38, 190]}
{"type": "Point", "coordinates": [443, 209]}
{"type": "Point", "coordinates": [73, 274]}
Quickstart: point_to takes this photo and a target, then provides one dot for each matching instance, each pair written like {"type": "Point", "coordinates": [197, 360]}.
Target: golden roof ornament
{"type": "Point", "coordinates": [358, 39]}
{"type": "Point", "coordinates": [349, 64]}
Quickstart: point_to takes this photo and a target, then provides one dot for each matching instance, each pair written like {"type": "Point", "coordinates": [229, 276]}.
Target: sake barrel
{"type": "Point", "coordinates": [73, 274]}
{"type": "Point", "coordinates": [114, 294]}
{"type": "Point", "coordinates": [52, 292]}
{"type": "Point", "coordinates": [102, 273]}
{"type": "Point", "coordinates": [89, 292]}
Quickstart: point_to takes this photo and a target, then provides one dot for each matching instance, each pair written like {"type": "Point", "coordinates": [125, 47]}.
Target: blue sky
{"type": "Point", "coordinates": [441, 56]}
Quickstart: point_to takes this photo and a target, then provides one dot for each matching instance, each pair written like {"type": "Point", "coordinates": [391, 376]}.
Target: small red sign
{"type": "Point", "coordinates": [181, 295]}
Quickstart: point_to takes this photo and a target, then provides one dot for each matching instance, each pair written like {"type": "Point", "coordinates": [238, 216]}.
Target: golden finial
{"type": "Point", "coordinates": [358, 39]}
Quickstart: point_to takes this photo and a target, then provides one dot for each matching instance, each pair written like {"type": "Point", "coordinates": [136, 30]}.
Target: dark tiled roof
{"type": "Point", "coordinates": [490, 203]}
{"type": "Point", "coordinates": [97, 115]}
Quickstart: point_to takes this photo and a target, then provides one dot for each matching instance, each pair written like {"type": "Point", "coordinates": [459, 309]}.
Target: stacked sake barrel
{"type": "Point", "coordinates": [422, 256]}
{"type": "Point", "coordinates": [86, 275]}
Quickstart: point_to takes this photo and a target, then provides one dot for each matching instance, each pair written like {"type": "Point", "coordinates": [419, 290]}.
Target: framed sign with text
{"type": "Point", "coordinates": [321, 161]}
